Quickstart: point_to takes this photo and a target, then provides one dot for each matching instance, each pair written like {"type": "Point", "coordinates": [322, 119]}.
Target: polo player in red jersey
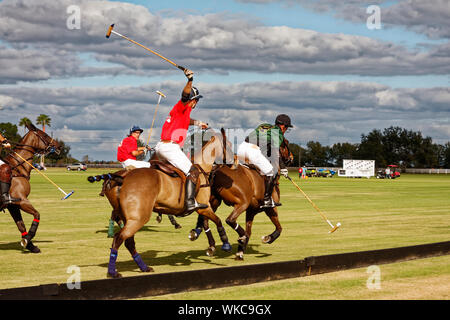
{"type": "Point", "coordinates": [5, 177]}
{"type": "Point", "coordinates": [128, 150]}
{"type": "Point", "coordinates": [173, 136]}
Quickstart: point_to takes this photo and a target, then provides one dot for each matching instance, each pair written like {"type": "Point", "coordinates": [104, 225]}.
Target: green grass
{"type": "Point", "coordinates": [374, 214]}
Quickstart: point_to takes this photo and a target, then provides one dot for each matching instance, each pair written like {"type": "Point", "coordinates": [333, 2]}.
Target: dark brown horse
{"type": "Point", "coordinates": [242, 188]}
{"type": "Point", "coordinates": [147, 190]}
{"type": "Point", "coordinates": [34, 142]}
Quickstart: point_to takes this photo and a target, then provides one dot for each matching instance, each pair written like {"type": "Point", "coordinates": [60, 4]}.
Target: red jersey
{"type": "Point", "coordinates": [177, 123]}
{"type": "Point", "coordinates": [127, 145]}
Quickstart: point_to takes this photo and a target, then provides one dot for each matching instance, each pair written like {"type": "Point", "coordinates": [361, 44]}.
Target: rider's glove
{"type": "Point", "coordinates": [284, 172]}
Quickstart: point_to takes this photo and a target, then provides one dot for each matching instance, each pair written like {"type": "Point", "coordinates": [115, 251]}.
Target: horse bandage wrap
{"type": "Point", "coordinates": [5, 173]}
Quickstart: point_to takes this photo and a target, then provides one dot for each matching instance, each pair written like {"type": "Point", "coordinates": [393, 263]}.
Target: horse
{"type": "Point", "coordinates": [111, 189]}
{"type": "Point", "coordinates": [34, 142]}
{"type": "Point", "coordinates": [242, 187]}
{"type": "Point", "coordinates": [146, 190]}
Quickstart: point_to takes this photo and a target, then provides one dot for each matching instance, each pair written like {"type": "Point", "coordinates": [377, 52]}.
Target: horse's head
{"type": "Point", "coordinates": [286, 155]}
{"type": "Point", "coordinates": [216, 150]}
{"type": "Point", "coordinates": [41, 142]}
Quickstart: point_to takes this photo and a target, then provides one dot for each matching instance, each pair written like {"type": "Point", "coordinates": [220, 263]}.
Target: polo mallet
{"type": "Point", "coordinates": [154, 116]}
{"type": "Point", "coordinates": [110, 30]}
{"type": "Point", "coordinates": [66, 195]}
{"type": "Point", "coordinates": [333, 228]}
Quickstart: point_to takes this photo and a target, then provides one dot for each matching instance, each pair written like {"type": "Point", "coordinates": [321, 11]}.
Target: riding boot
{"type": "Point", "coordinates": [269, 183]}
{"type": "Point", "coordinates": [5, 196]}
{"type": "Point", "coordinates": [191, 203]}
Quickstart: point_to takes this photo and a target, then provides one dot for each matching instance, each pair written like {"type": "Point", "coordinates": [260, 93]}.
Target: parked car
{"type": "Point", "coordinates": [77, 166]}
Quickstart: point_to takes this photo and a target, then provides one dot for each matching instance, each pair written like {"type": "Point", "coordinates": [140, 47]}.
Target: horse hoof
{"type": "Point", "coordinates": [266, 239]}
{"type": "Point", "coordinates": [194, 234]}
{"type": "Point", "coordinates": [115, 275]}
{"type": "Point", "coordinates": [226, 247]}
{"type": "Point", "coordinates": [210, 251]}
{"type": "Point", "coordinates": [32, 248]}
{"type": "Point", "coordinates": [158, 219]}
{"type": "Point", "coordinates": [24, 243]}
{"type": "Point", "coordinates": [149, 269]}
{"type": "Point", "coordinates": [239, 256]}
{"type": "Point", "coordinates": [177, 226]}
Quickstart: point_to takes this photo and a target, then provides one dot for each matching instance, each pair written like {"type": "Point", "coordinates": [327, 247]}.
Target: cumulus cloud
{"type": "Point", "coordinates": [431, 18]}
{"type": "Point", "coordinates": [211, 42]}
{"type": "Point", "coordinates": [325, 111]}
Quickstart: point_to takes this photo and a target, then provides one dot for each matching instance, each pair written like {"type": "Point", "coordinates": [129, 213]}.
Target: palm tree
{"type": "Point", "coordinates": [23, 122]}
{"type": "Point", "coordinates": [43, 120]}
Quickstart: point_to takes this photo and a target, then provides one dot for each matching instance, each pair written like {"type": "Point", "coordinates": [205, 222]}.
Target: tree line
{"type": "Point", "coordinates": [11, 132]}
{"type": "Point", "coordinates": [393, 145]}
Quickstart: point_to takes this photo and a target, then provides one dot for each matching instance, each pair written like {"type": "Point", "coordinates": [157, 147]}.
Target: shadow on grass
{"type": "Point", "coordinates": [15, 246]}
{"type": "Point", "coordinates": [182, 259]}
{"type": "Point", "coordinates": [143, 229]}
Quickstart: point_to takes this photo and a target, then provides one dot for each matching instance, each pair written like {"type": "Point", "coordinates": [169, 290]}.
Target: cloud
{"type": "Point", "coordinates": [328, 112]}
{"type": "Point", "coordinates": [431, 18]}
{"type": "Point", "coordinates": [42, 47]}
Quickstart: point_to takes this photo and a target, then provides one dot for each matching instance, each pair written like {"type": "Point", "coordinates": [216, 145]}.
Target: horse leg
{"type": "Point", "coordinates": [209, 214]}
{"type": "Point", "coordinates": [128, 231]}
{"type": "Point", "coordinates": [17, 216]}
{"type": "Point", "coordinates": [212, 243]}
{"type": "Point", "coordinates": [26, 206]}
{"type": "Point", "coordinates": [272, 213]}
{"type": "Point", "coordinates": [195, 233]}
{"type": "Point", "coordinates": [231, 221]}
{"type": "Point", "coordinates": [174, 222]}
{"type": "Point", "coordinates": [131, 246]}
{"type": "Point", "coordinates": [249, 216]}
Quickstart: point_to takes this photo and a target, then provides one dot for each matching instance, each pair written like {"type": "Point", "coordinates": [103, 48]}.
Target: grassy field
{"type": "Point", "coordinates": [374, 214]}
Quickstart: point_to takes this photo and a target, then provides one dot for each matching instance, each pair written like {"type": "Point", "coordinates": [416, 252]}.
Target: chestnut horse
{"type": "Point", "coordinates": [34, 142]}
{"type": "Point", "coordinates": [148, 190]}
{"type": "Point", "coordinates": [242, 188]}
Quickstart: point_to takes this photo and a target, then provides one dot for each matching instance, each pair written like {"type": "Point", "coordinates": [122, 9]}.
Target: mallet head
{"type": "Point", "coordinates": [108, 34]}
{"type": "Point", "coordinates": [335, 227]}
{"type": "Point", "coordinates": [161, 94]}
{"type": "Point", "coordinates": [68, 195]}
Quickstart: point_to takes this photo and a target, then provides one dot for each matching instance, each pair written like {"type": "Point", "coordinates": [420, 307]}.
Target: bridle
{"type": "Point", "coordinates": [50, 148]}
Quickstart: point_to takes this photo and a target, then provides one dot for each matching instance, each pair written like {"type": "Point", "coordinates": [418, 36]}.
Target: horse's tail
{"type": "Point", "coordinates": [107, 177]}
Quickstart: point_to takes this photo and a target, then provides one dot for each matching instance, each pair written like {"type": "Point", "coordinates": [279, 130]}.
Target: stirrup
{"type": "Point", "coordinates": [194, 208]}
{"type": "Point", "coordinates": [270, 204]}
{"type": "Point", "coordinates": [7, 200]}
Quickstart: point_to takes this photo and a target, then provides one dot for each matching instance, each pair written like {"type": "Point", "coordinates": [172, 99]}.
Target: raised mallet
{"type": "Point", "coordinates": [110, 30]}
{"type": "Point", "coordinates": [66, 195]}
{"type": "Point", "coordinates": [333, 228]}
{"type": "Point", "coordinates": [154, 116]}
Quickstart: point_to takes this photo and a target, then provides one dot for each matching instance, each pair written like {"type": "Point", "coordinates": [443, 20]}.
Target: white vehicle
{"type": "Point", "coordinates": [77, 166]}
{"type": "Point", "coordinates": [357, 169]}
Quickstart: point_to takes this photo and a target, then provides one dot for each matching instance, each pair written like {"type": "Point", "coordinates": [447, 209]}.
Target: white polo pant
{"type": "Point", "coordinates": [172, 153]}
{"type": "Point", "coordinates": [1, 162]}
{"type": "Point", "coordinates": [136, 163]}
{"type": "Point", "coordinates": [253, 154]}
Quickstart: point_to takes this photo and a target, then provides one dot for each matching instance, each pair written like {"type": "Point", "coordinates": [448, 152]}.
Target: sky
{"type": "Point", "coordinates": [322, 62]}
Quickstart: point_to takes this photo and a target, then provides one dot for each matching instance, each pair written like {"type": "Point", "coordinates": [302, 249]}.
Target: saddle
{"type": "Point", "coordinates": [167, 168]}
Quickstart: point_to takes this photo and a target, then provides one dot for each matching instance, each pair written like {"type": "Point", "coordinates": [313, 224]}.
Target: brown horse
{"type": "Point", "coordinates": [34, 142]}
{"type": "Point", "coordinates": [242, 188]}
{"type": "Point", "coordinates": [148, 190]}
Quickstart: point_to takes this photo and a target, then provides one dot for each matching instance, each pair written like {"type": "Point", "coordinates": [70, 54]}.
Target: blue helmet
{"type": "Point", "coordinates": [136, 128]}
